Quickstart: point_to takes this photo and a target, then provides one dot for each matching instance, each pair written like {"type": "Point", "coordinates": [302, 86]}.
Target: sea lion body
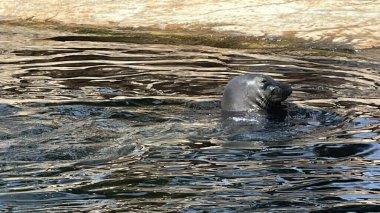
{"type": "Point", "coordinates": [253, 110]}
{"type": "Point", "coordinates": [258, 95]}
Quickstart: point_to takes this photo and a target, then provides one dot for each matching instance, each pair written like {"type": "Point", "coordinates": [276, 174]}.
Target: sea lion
{"type": "Point", "coordinates": [253, 94]}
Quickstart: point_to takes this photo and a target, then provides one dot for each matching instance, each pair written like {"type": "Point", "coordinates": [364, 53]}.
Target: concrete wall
{"type": "Point", "coordinates": [353, 22]}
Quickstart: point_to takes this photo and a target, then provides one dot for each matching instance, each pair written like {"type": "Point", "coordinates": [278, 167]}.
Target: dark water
{"type": "Point", "coordinates": [93, 126]}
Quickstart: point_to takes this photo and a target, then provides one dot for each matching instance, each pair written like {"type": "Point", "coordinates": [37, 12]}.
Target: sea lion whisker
{"type": "Point", "coordinates": [268, 101]}
{"type": "Point", "coordinates": [260, 102]}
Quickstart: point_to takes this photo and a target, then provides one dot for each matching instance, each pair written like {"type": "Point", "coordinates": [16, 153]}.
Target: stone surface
{"type": "Point", "coordinates": [352, 22]}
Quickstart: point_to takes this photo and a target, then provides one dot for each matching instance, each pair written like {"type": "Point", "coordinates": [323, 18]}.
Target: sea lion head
{"type": "Point", "coordinates": [253, 92]}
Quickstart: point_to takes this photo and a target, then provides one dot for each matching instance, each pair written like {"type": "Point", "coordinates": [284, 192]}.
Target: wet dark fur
{"type": "Point", "coordinates": [255, 95]}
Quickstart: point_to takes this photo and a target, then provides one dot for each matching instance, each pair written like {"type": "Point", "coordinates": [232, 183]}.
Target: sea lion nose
{"type": "Point", "coordinates": [288, 90]}
{"type": "Point", "coordinates": [281, 89]}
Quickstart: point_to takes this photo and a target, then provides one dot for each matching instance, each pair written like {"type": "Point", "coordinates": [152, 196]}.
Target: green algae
{"type": "Point", "coordinates": [180, 36]}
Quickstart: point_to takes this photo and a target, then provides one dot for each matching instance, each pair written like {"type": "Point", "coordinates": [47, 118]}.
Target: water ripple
{"type": "Point", "coordinates": [107, 126]}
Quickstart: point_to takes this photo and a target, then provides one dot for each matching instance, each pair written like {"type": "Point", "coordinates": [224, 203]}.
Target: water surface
{"type": "Point", "coordinates": [136, 127]}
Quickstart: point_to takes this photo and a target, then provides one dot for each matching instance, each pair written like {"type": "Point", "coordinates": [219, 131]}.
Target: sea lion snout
{"type": "Point", "coordinates": [279, 91]}
{"type": "Point", "coordinates": [274, 89]}
{"type": "Point", "coordinates": [286, 90]}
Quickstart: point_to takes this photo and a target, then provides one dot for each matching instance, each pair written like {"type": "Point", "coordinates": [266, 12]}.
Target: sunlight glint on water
{"type": "Point", "coordinates": [112, 126]}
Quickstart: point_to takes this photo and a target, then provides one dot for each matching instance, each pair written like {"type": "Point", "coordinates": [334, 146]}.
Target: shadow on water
{"type": "Point", "coordinates": [108, 126]}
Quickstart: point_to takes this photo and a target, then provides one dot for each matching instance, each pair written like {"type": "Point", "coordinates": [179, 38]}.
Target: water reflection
{"type": "Point", "coordinates": [133, 127]}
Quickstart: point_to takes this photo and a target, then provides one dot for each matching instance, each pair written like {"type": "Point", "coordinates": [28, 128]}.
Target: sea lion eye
{"type": "Point", "coordinates": [264, 81]}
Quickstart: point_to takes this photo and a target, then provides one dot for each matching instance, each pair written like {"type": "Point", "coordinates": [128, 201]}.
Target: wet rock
{"type": "Point", "coordinates": [341, 22]}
